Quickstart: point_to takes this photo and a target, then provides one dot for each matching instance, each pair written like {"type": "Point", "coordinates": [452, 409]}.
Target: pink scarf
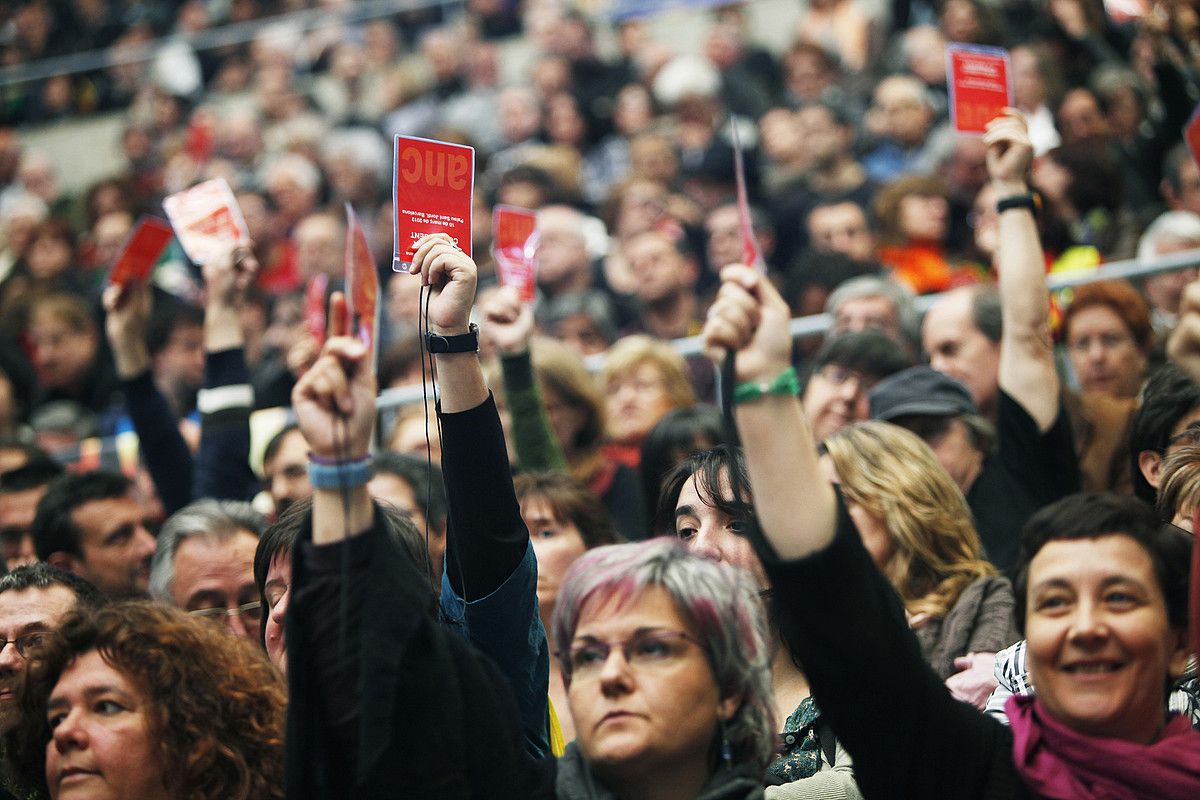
{"type": "Point", "coordinates": [1061, 764]}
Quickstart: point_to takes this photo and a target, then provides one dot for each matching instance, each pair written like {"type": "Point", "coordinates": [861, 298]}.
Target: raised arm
{"type": "Point", "coordinates": [794, 501]}
{"type": "Point", "coordinates": [509, 326]}
{"type": "Point", "coordinates": [1027, 372]}
{"type": "Point", "coordinates": [163, 449]}
{"type": "Point", "coordinates": [225, 402]}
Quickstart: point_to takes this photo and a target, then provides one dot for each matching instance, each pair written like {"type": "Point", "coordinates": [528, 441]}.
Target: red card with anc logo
{"type": "Point", "coordinates": [980, 87]}
{"type": "Point", "coordinates": [362, 281]}
{"type": "Point", "coordinates": [141, 251]}
{"type": "Point", "coordinates": [314, 307]}
{"type": "Point", "coordinates": [514, 237]}
{"type": "Point", "coordinates": [431, 190]}
{"type": "Point", "coordinates": [207, 220]}
{"type": "Point", "coordinates": [1191, 134]}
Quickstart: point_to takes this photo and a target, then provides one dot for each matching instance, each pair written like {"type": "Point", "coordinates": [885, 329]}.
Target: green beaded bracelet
{"type": "Point", "coordinates": [788, 383]}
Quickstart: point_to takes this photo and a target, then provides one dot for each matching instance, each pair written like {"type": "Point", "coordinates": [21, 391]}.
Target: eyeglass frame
{"type": "Point", "coordinates": [567, 656]}
{"type": "Point", "coordinates": [16, 642]}
{"type": "Point", "coordinates": [246, 611]}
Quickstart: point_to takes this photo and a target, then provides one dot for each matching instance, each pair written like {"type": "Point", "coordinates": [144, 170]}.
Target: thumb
{"type": "Point", "coordinates": [964, 662]}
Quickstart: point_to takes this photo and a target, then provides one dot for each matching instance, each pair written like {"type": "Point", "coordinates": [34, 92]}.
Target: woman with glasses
{"type": "Point", "coordinates": [138, 700]}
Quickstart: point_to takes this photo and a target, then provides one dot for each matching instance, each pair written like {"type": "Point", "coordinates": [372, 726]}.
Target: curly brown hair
{"type": "Point", "coordinates": [216, 705]}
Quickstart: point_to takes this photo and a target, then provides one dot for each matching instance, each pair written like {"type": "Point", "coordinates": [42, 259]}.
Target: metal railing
{"type": "Point", "coordinates": [820, 323]}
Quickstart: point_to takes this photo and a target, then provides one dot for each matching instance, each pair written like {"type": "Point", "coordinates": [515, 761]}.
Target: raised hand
{"type": "Point", "coordinates": [750, 318]}
{"type": "Point", "coordinates": [127, 316]}
{"type": "Point", "coordinates": [451, 275]}
{"type": "Point", "coordinates": [227, 276]}
{"type": "Point", "coordinates": [334, 401]}
{"type": "Point", "coordinates": [509, 322]}
{"type": "Point", "coordinates": [1009, 153]}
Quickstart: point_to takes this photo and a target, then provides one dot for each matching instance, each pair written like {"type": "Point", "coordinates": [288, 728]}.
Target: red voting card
{"type": "Point", "coordinates": [979, 82]}
{"type": "Point", "coordinates": [207, 220]}
{"type": "Point", "coordinates": [141, 251]}
{"type": "Point", "coordinates": [750, 254]}
{"type": "Point", "coordinates": [362, 281]}
{"type": "Point", "coordinates": [514, 237]}
{"type": "Point", "coordinates": [1191, 134]}
{"type": "Point", "coordinates": [431, 190]}
{"type": "Point", "coordinates": [314, 307]}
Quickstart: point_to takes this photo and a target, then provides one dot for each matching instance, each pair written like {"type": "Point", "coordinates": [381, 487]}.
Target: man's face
{"type": "Point", "coordinates": [824, 140]}
{"type": "Point", "coordinates": [24, 612]}
{"type": "Point", "coordinates": [1187, 198]}
{"type": "Point", "coordinates": [906, 118]}
{"type": "Point", "coordinates": [842, 228]}
{"type": "Point", "coordinates": [319, 246]}
{"type": "Point", "coordinates": [868, 313]}
{"type": "Point", "coordinates": [561, 253]}
{"type": "Point", "coordinates": [61, 355]}
{"type": "Point", "coordinates": [1080, 118]}
{"type": "Point", "coordinates": [180, 363]}
{"type": "Point", "coordinates": [661, 271]}
{"type": "Point", "coordinates": [724, 237]}
{"type": "Point", "coordinates": [116, 547]}
{"type": "Point", "coordinates": [17, 510]}
{"type": "Point", "coordinates": [959, 349]}
{"type": "Point", "coordinates": [287, 473]}
{"type": "Point", "coordinates": [217, 575]}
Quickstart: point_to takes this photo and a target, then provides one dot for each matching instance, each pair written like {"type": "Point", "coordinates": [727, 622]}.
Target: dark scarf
{"type": "Point", "coordinates": [1062, 764]}
{"type": "Point", "coordinates": [575, 781]}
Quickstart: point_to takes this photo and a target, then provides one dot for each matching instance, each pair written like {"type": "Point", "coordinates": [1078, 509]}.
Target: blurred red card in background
{"type": "Point", "coordinates": [141, 251]}
{"type": "Point", "coordinates": [514, 242]}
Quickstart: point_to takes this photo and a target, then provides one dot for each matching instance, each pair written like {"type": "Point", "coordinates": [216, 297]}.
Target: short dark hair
{"type": "Point", "coordinates": [570, 501]}
{"type": "Point", "coordinates": [170, 318]}
{"type": "Point", "coordinates": [9, 444]}
{"type": "Point", "coordinates": [680, 433]}
{"type": "Point", "coordinates": [1095, 514]}
{"type": "Point", "coordinates": [1170, 394]}
{"type": "Point", "coordinates": [423, 477]}
{"type": "Point", "coordinates": [53, 529]}
{"type": "Point", "coordinates": [36, 472]}
{"type": "Point", "coordinates": [43, 576]}
{"type": "Point", "coordinates": [276, 442]}
{"type": "Point", "coordinates": [711, 469]}
{"type": "Point", "coordinates": [868, 351]}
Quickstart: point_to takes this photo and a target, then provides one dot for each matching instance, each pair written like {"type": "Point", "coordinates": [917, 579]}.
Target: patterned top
{"type": "Point", "coordinates": [801, 753]}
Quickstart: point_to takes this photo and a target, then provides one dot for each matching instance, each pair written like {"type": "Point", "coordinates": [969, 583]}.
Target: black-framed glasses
{"type": "Point", "coordinates": [27, 644]}
{"type": "Point", "coordinates": [249, 612]}
{"type": "Point", "coordinates": [644, 651]}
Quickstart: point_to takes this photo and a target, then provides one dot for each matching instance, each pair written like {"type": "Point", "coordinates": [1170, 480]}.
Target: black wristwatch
{"type": "Point", "coordinates": [461, 343]}
{"type": "Point", "coordinates": [1030, 201]}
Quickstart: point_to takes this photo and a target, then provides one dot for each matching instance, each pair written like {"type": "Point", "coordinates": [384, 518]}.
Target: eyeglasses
{"type": "Point", "coordinates": [27, 644]}
{"type": "Point", "coordinates": [643, 652]}
{"type": "Point", "coordinates": [249, 612]}
{"type": "Point", "coordinates": [840, 376]}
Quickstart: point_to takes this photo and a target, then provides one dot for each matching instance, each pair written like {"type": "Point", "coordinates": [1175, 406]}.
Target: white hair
{"type": "Point", "coordinates": [1173, 226]}
{"type": "Point", "coordinates": [365, 148]}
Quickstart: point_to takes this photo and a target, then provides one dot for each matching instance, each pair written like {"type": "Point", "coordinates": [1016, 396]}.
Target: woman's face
{"type": "Point", "coordinates": [637, 399]}
{"type": "Point", "coordinates": [712, 533]}
{"type": "Point", "coordinates": [101, 747]}
{"type": "Point", "coordinates": [1106, 358]}
{"type": "Point", "coordinates": [923, 218]}
{"type": "Point", "coordinates": [278, 594]}
{"type": "Point", "coordinates": [556, 544]}
{"type": "Point", "coordinates": [655, 710]}
{"type": "Point", "coordinates": [1101, 646]}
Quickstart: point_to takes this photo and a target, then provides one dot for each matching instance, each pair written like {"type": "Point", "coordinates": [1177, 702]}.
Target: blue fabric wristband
{"type": "Point", "coordinates": [339, 474]}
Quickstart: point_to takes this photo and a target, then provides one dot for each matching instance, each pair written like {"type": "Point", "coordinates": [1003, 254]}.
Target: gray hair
{"type": "Point", "coordinates": [901, 298]}
{"type": "Point", "coordinates": [219, 520]}
{"type": "Point", "coordinates": [364, 147]}
{"type": "Point", "coordinates": [1173, 226]}
{"type": "Point", "coordinates": [720, 602]}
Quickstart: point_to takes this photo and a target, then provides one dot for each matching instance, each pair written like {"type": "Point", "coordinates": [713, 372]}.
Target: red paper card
{"type": "Point", "coordinates": [750, 254]}
{"type": "Point", "coordinates": [362, 281]}
{"type": "Point", "coordinates": [432, 184]}
{"type": "Point", "coordinates": [978, 79]}
{"type": "Point", "coordinates": [141, 251]}
{"type": "Point", "coordinates": [206, 219]}
{"type": "Point", "coordinates": [1191, 134]}
{"type": "Point", "coordinates": [314, 307]}
{"type": "Point", "coordinates": [514, 241]}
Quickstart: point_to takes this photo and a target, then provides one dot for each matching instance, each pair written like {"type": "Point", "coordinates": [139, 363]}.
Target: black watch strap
{"type": "Point", "coordinates": [1030, 201]}
{"type": "Point", "coordinates": [461, 343]}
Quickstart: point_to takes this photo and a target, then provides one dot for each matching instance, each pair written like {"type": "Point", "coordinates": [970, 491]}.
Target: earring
{"type": "Point", "coordinates": [726, 748]}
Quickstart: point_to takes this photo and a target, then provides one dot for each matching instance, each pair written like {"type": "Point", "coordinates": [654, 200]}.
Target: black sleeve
{"type": "Point", "coordinates": [1045, 464]}
{"type": "Point", "coordinates": [384, 702]}
{"type": "Point", "coordinates": [223, 462]}
{"type": "Point", "coordinates": [163, 449]}
{"type": "Point", "coordinates": [844, 623]}
{"type": "Point", "coordinates": [486, 537]}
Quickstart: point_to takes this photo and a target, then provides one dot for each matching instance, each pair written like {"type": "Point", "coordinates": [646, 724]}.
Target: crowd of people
{"type": "Point", "coordinates": [942, 554]}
